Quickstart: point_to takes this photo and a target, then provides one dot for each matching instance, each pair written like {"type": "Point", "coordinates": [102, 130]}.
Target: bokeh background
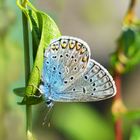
{"type": "Point", "coordinates": [97, 22]}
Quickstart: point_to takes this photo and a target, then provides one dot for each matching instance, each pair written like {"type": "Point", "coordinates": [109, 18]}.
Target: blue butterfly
{"type": "Point", "coordinates": [70, 75]}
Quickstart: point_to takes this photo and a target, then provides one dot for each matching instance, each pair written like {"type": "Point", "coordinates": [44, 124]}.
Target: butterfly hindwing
{"type": "Point", "coordinates": [94, 85]}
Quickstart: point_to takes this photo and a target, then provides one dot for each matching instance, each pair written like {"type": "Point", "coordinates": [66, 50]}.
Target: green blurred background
{"type": "Point", "coordinates": [97, 22]}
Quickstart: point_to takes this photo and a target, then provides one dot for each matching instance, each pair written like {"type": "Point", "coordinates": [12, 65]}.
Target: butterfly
{"type": "Point", "coordinates": [70, 75]}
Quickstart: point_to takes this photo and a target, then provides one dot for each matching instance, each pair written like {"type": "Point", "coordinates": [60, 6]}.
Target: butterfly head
{"type": "Point", "coordinates": [49, 103]}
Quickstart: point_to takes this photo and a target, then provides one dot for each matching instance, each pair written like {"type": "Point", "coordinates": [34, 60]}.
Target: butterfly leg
{"type": "Point", "coordinates": [35, 96]}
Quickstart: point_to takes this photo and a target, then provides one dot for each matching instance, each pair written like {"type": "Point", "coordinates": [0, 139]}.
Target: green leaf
{"type": "Point", "coordinates": [127, 38]}
{"type": "Point", "coordinates": [134, 114]}
{"type": "Point", "coordinates": [127, 54]}
{"type": "Point", "coordinates": [135, 135]}
{"type": "Point", "coordinates": [31, 100]}
{"type": "Point", "coordinates": [19, 91]}
{"type": "Point", "coordinates": [43, 29]}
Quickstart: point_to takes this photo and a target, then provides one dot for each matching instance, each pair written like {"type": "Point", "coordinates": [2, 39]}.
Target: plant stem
{"type": "Point", "coordinates": [117, 78]}
{"type": "Point", "coordinates": [27, 72]}
{"type": "Point", "coordinates": [28, 120]}
{"type": "Point", "coordinates": [118, 107]}
{"type": "Point", "coordinates": [132, 6]}
{"type": "Point", "coordinates": [118, 122]}
{"type": "Point", "coordinates": [130, 14]}
{"type": "Point", "coordinates": [26, 48]}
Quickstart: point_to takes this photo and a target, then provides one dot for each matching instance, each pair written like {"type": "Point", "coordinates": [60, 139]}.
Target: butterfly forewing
{"type": "Point", "coordinates": [67, 59]}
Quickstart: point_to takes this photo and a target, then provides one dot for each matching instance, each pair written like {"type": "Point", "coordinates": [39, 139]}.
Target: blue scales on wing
{"type": "Point", "coordinates": [69, 75]}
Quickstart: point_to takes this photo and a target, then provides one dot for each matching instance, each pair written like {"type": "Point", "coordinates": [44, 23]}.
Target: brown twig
{"type": "Point", "coordinates": [130, 14]}
{"type": "Point", "coordinates": [131, 6]}
{"type": "Point", "coordinates": [118, 107]}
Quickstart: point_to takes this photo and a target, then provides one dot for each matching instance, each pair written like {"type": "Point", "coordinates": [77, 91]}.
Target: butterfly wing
{"type": "Point", "coordinates": [64, 61]}
{"type": "Point", "coordinates": [71, 74]}
{"type": "Point", "coordinates": [95, 84]}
